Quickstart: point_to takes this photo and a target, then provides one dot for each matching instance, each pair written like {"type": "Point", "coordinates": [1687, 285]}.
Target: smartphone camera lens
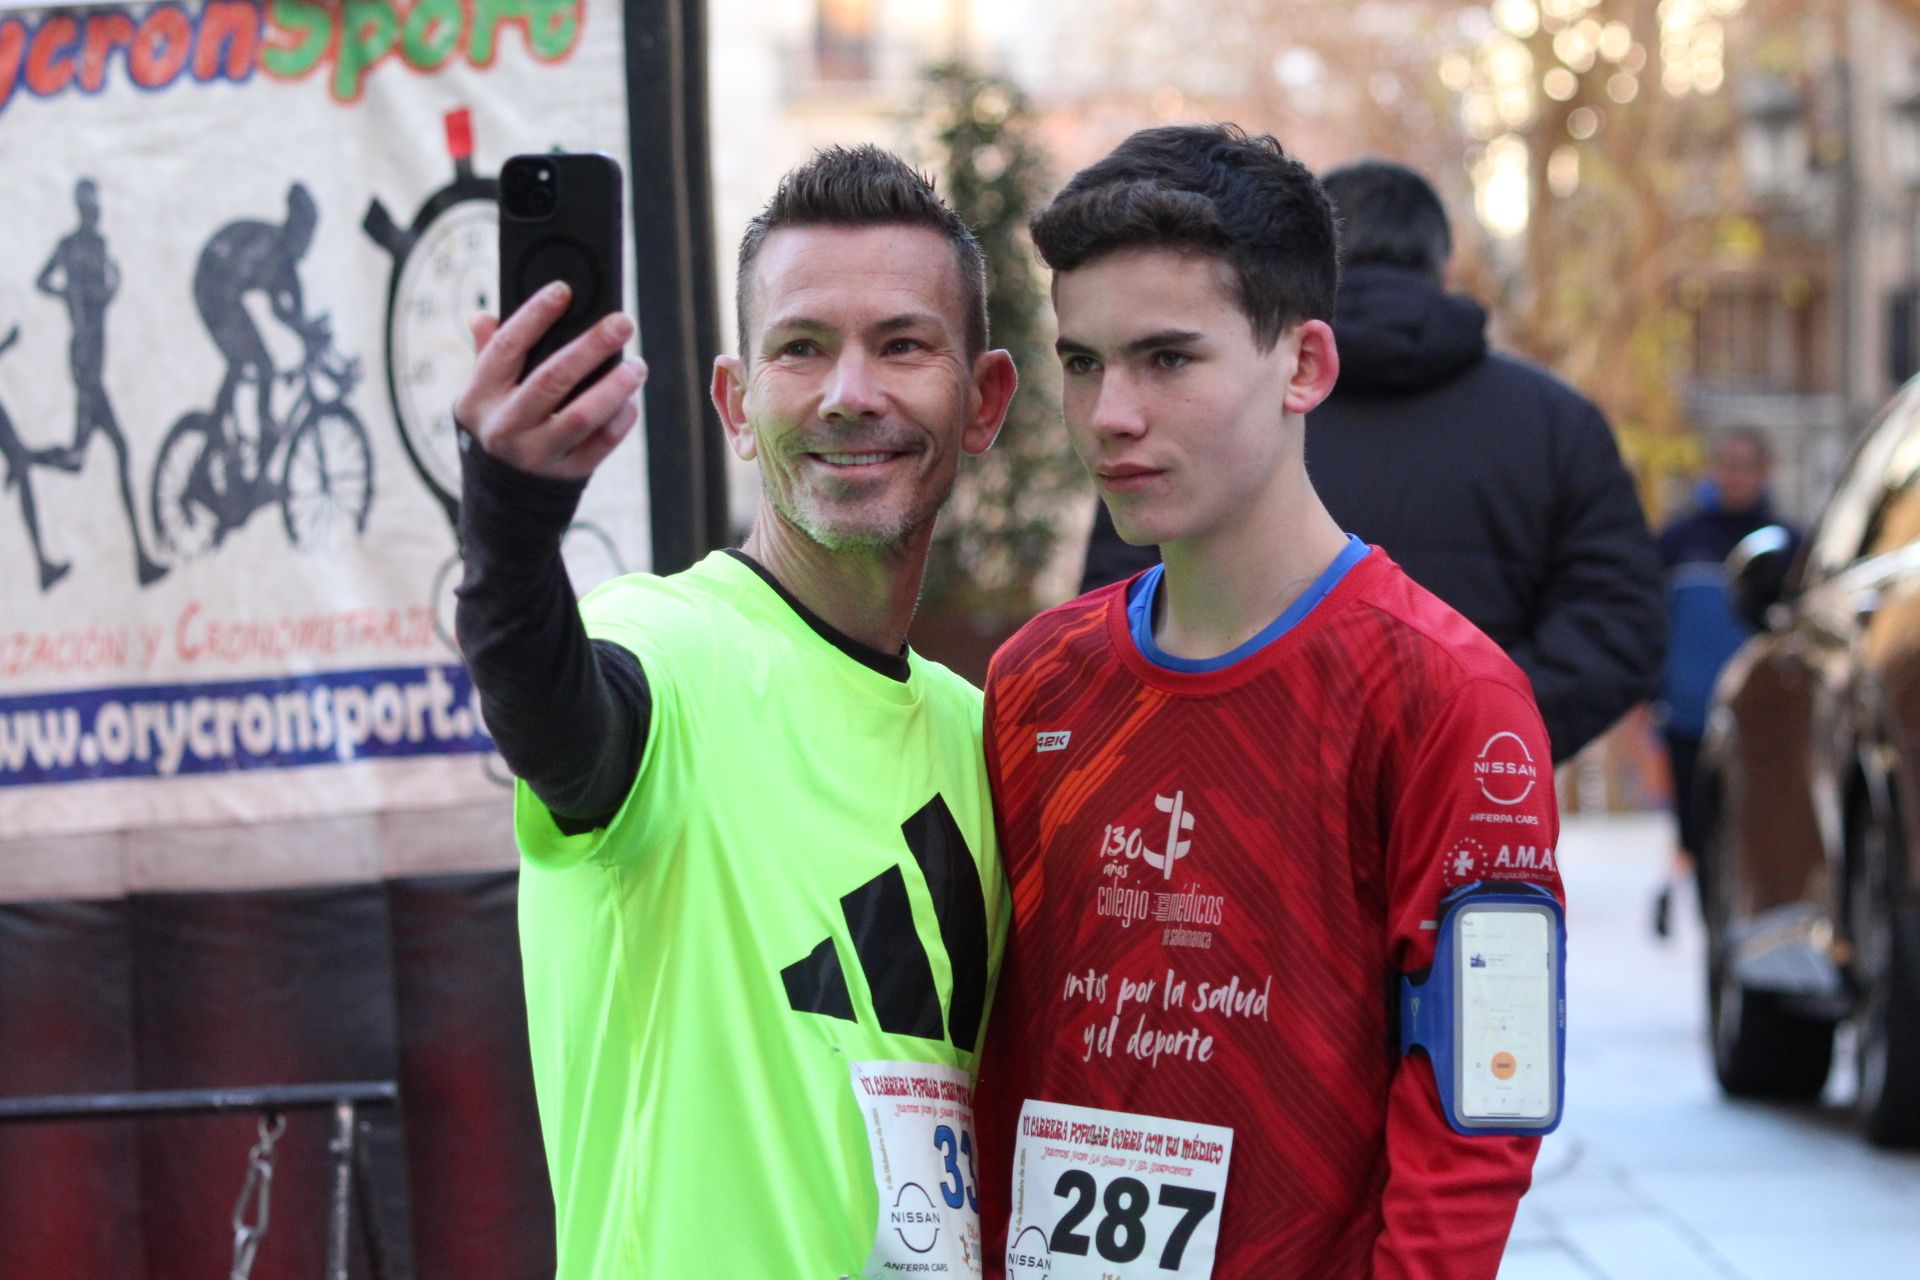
{"type": "Point", "coordinates": [530, 189]}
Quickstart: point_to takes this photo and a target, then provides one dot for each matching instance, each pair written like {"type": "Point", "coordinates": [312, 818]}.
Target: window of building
{"type": "Point", "coordinates": [843, 39]}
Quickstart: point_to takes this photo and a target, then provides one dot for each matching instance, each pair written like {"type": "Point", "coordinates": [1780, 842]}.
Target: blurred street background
{"type": "Point", "coordinates": [1653, 1175]}
{"type": "Point", "coordinates": [1701, 213]}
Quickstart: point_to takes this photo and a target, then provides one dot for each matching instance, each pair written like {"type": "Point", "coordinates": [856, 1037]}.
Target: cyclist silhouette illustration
{"type": "Point", "coordinates": [216, 468]}
{"type": "Point", "coordinates": [247, 257]}
{"type": "Point", "coordinates": [82, 275]}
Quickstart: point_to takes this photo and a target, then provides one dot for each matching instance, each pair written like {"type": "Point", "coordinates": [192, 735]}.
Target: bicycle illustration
{"type": "Point", "coordinates": [315, 462]}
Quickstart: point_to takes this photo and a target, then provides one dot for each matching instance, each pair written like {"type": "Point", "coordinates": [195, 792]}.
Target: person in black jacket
{"type": "Point", "coordinates": [1495, 485]}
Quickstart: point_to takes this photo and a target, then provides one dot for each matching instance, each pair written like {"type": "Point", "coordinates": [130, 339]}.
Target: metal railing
{"type": "Point", "coordinates": [350, 1180]}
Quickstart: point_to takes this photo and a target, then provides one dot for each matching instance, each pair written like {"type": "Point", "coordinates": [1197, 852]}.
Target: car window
{"type": "Point", "coordinates": [1877, 503]}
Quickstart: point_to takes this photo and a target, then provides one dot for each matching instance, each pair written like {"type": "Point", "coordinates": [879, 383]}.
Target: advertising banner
{"type": "Point", "coordinates": [240, 242]}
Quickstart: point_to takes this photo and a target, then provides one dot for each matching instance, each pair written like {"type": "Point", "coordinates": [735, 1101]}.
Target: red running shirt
{"type": "Point", "coordinates": [1320, 796]}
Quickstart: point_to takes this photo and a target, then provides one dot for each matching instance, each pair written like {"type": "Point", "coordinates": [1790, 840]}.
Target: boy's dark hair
{"type": "Point", "coordinates": [1211, 188]}
{"type": "Point", "coordinates": [865, 186]}
{"type": "Point", "coordinates": [1389, 214]}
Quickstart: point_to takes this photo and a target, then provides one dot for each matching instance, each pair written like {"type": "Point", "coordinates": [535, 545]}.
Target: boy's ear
{"type": "Point", "coordinates": [1316, 367]}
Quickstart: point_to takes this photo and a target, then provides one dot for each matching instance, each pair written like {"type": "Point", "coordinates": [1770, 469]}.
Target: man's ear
{"type": "Point", "coordinates": [994, 382]}
{"type": "Point", "coordinates": [729, 392]}
{"type": "Point", "coordinates": [1316, 369]}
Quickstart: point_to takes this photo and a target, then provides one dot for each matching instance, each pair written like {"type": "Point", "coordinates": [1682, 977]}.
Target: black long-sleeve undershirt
{"type": "Point", "coordinates": [569, 714]}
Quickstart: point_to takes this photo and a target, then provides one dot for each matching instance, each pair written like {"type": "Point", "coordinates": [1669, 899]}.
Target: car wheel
{"type": "Point", "coordinates": [1762, 1048]}
{"type": "Point", "coordinates": [1887, 1021]}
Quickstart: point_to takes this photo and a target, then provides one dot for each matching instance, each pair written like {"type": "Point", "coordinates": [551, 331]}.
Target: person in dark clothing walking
{"type": "Point", "coordinates": [1702, 629]}
{"type": "Point", "coordinates": [1494, 484]}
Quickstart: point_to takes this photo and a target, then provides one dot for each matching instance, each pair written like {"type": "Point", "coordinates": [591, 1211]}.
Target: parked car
{"type": "Point", "coordinates": [1811, 780]}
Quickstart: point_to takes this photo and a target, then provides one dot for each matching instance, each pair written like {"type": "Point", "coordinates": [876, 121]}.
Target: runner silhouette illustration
{"type": "Point", "coordinates": [82, 275]}
{"type": "Point", "coordinates": [20, 462]}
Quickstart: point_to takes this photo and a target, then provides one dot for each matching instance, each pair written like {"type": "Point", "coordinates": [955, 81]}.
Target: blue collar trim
{"type": "Point", "coordinates": [1141, 594]}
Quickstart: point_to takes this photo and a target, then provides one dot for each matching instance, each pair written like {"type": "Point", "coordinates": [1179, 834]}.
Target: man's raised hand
{"type": "Point", "coordinates": [524, 424]}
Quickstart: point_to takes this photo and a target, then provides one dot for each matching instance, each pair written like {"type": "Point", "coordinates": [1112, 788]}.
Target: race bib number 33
{"type": "Point", "coordinates": [1100, 1194]}
{"type": "Point", "coordinates": [919, 1119]}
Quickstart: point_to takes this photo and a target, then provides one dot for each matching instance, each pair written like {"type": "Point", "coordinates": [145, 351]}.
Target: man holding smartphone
{"type": "Point", "coordinates": [1243, 793]}
{"type": "Point", "coordinates": [761, 905]}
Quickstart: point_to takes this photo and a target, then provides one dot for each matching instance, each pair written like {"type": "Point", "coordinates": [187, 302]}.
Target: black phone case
{"type": "Point", "coordinates": [578, 241]}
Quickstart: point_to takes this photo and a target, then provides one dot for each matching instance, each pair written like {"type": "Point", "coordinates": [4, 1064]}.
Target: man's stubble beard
{"type": "Point", "coordinates": [889, 540]}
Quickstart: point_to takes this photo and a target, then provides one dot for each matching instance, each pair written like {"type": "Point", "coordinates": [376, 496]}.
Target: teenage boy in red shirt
{"type": "Point", "coordinates": [1234, 790]}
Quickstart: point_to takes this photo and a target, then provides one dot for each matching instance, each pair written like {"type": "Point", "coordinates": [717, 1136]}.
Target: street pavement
{"type": "Point", "coordinates": [1653, 1175]}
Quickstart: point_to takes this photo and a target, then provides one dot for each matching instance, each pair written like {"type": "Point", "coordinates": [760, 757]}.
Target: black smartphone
{"type": "Point", "coordinates": [560, 220]}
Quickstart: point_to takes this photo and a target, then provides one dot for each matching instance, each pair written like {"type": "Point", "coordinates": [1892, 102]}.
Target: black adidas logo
{"type": "Point", "coordinates": [880, 921]}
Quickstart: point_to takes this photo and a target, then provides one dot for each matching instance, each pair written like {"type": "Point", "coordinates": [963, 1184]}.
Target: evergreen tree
{"type": "Point", "coordinates": [1002, 525]}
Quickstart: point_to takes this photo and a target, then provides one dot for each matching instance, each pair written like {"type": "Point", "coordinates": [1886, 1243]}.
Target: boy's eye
{"type": "Point", "coordinates": [1078, 364]}
{"type": "Point", "coordinates": [1171, 359]}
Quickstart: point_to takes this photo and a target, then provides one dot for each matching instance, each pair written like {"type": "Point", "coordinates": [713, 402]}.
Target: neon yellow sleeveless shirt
{"type": "Point", "coordinates": [804, 878]}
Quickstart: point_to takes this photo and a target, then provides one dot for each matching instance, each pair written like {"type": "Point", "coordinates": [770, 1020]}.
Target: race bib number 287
{"type": "Point", "coordinates": [1100, 1194]}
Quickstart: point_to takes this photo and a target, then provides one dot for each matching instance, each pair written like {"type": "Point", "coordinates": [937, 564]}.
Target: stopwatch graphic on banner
{"type": "Point", "coordinates": [444, 270]}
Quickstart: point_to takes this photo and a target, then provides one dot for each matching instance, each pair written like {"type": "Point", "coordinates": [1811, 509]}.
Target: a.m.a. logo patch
{"type": "Point", "coordinates": [879, 916]}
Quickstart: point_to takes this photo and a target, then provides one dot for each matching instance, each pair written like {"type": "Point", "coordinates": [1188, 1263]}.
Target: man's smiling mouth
{"type": "Point", "coordinates": [855, 459]}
